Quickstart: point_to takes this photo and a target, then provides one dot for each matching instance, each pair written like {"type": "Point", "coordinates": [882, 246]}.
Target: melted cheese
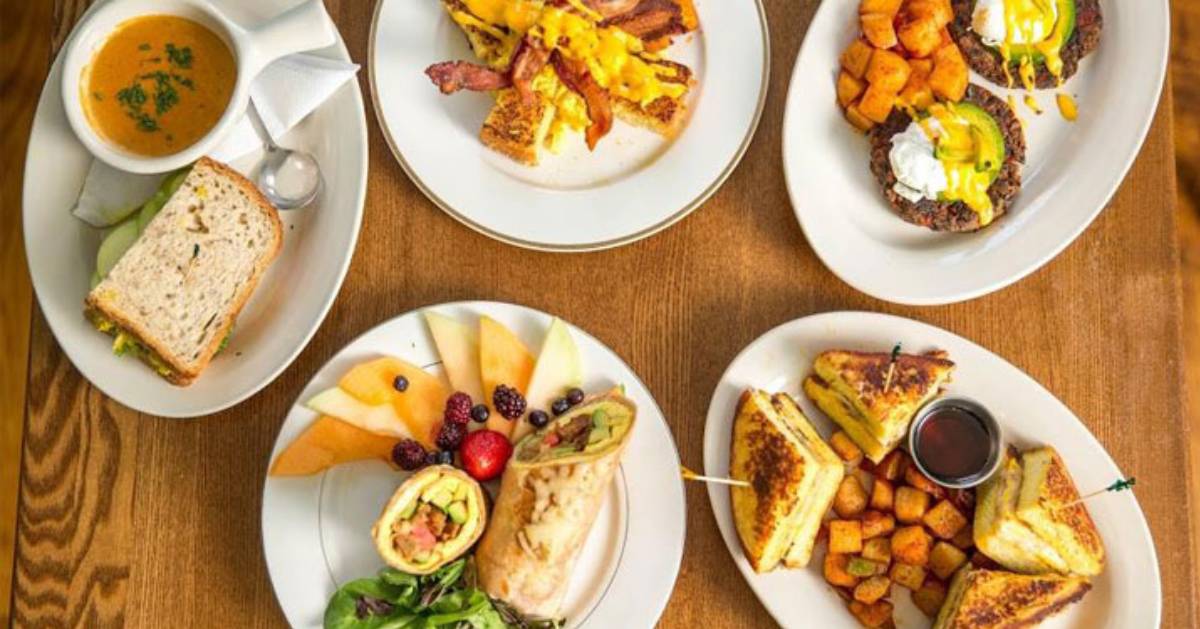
{"type": "Point", "coordinates": [1029, 23]}
{"type": "Point", "coordinates": [958, 145]}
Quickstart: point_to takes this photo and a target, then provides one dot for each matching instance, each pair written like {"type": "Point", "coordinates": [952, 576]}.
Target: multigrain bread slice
{"type": "Point", "coordinates": [179, 288]}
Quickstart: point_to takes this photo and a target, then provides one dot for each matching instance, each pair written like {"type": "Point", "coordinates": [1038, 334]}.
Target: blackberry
{"type": "Point", "coordinates": [508, 402]}
{"type": "Point", "coordinates": [539, 419]}
{"type": "Point", "coordinates": [451, 435]}
{"type": "Point", "coordinates": [560, 406]}
{"type": "Point", "coordinates": [409, 455]}
{"type": "Point", "coordinates": [400, 384]}
{"type": "Point", "coordinates": [574, 396]}
{"type": "Point", "coordinates": [458, 409]}
{"type": "Point", "coordinates": [480, 413]}
{"type": "Point", "coordinates": [445, 457]}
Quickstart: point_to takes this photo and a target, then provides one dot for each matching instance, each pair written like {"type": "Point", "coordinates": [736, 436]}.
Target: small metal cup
{"type": "Point", "coordinates": [990, 426]}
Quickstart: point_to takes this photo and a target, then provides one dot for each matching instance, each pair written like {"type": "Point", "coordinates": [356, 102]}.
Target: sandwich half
{"type": "Point", "coordinates": [1048, 504]}
{"type": "Point", "coordinates": [793, 476]}
{"type": "Point", "coordinates": [1003, 536]}
{"type": "Point", "coordinates": [854, 390]}
{"type": "Point", "coordinates": [173, 297]}
{"type": "Point", "coordinates": [991, 599]}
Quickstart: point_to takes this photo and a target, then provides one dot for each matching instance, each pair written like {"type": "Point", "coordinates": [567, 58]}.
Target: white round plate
{"type": "Point", "coordinates": [316, 529]}
{"type": "Point", "coordinates": [633, 185]}
{"type": "Point", "coordinates": [1071, 169]}
{"type": "Point", "coordinates": [292, 299]}
{"type": "Point", "coordinates": [1127, 594]}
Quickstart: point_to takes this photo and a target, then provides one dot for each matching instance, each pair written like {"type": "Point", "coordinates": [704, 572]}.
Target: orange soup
{"type": "Point", "coordinates": [158, 84]}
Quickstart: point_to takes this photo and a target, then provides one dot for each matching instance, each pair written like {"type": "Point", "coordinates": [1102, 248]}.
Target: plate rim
{"type": "Point", "coordinates": [884, 292]}
{"type": "Point", "coordinates": [359, 205]}
{"type": "Point", "coordinates": [884, 319]}
{"type": "Point", "coordinates": [479, 307]}
{"type": "Point", "coordinates": [675, 217]}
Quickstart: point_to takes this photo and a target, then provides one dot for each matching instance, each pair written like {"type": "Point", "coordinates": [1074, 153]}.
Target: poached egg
{"type": "Point", "coordinates": [919, 173]}
{"type": "Point", "coordinates": [1014, 21]}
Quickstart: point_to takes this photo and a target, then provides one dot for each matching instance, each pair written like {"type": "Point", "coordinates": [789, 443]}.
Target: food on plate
{"type": "Point", "coordinates": [505, 363]}
{"type": "Point", "coordinates": [874, 397]}
{"type": "Point", "coordinates": [557, 370]}
{"type": "Point", "coordinates": [329, 442]}
{"type": "Point", "coordinates": [562, 67]}
{"type": "Point", "coordinates": [458, 345]}
{"type": "Point", "coordinates": [157, 84]}
{"type": "Point", "coordinates": [550, 494]}
{"type": "Point", "coordinates": [983, 599]}
{"type": "Point", "coordinates": [794, 477]}
{"type": "Point", "coordinates": [173, 296]}
{"type": "Point", "coordinates": [418, 397]}
{"type": "Point", "coordinates": [484, 454]}
{"type": "Point", "coordinates": [434, 517]}
{"type": "Point", "coordinates": [1030, 519]}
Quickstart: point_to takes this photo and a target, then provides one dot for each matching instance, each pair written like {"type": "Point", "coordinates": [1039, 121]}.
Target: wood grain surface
{"type": "Point", "coordinates": [130, 519]}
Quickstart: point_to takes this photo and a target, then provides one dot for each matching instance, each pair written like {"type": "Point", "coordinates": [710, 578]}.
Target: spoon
{"type": "Point", "coordinates": [289, 178]}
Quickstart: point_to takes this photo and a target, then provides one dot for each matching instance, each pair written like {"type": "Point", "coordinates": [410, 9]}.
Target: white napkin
{"type": "Point", "coordinates": [284, 94]}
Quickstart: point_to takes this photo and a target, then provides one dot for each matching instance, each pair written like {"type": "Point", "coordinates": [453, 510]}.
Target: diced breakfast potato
{"type": "Point", "coordinates": [892, 466]}
{"type": "Point", "coordinates": [888, 70]}
{"type": "Point", "coordinates": [944, 520]}
{"type": "Point", "coordinates": [938, 10]}
{"type": "Point", "coordinates": [872, 589]}
{"type": "Point", "coordinates": [916, 93]}
{"type": "Point", "coordinates": [911, 544]}
{"type": "Point", "coordinates": [882, 495]}
{"type": "Point", "coordinates": [908, 575]}
{"type": "Point", "coordinates": [919, 36]}
{"type": "Point", "coordinates": [876, 614]}
{"type": "Point", "coordinates": [920, 68]}
{"type": "Point", "coordinates": [878, 549]}
{"type": "Point", "coordinates": [840, 441]}
{"type": "Point", "coordinates": [876, 103]}
{"type": "Point", "coordinates": [848, 89]}
{"type": "Point", "coordinates": [945, 559]}
{"type": "Point", "coordinates": [875, 523]}
{"type": "Point", "coordinates": [851, 498]}
{"type": "Point", "coordinates": [887, 7]}
{"type": "Point", "coordinates": [965, 538]}
{"type": "Point", "coordinates": [914, 477]}
{"type": "Point", "coordinates": [911, 504]}
{"type": "Point", "coordinates": [856, 118]}
{"type": "Point", "coordinates": [835, 571]}
{"type": "Point", "coordinates": [862, 568]}
{"type": "Point", "coordinates": [856, 57]}
{"type": "Point", "coordinates": [845, 536]}
{"type": "Point", "coordinates": [949, 77]}
{"type": "Point", "coordinates": [878, 29]}
{"type": "Point", "coordinates": [929, 597]}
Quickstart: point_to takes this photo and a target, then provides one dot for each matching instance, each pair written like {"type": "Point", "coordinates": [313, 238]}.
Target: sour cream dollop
{"type": "Point", "coordinates": [919, 174]}
{"type": "Point", "coordinates": [1029, 24]}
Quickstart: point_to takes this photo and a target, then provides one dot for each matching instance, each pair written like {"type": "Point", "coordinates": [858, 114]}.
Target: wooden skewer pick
{"type": "Point", "coordinates": [1120, 484]}
{"type": "Point", "coordinates": [887, 383]}
{"type": "Point", "coordinates": [690, 475]}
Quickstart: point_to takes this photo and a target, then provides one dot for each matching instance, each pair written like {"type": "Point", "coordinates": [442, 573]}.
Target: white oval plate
{"type": "Point", "coordinates": [316, 529]}
{"type": "Point", "coordinates": [292, 299]}
{"type": "Point", "coordinates": [1071, 169]}
{"type": "Point", "coordinates": [1127, 594]}
{"type": "Point", "coordinates": [633, 185]}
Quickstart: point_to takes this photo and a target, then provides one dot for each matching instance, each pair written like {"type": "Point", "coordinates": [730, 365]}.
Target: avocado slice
{"type": "Point", "coordinates": [457, 512]}
{"type": "Point", "coordinates": [1064, 27]}
{"type": "Point", "coordinates": [434, 492]}
{"type": "Point", "coordinates": [987, 150]}
{"type": "Point", "coordinates": [409, 510]}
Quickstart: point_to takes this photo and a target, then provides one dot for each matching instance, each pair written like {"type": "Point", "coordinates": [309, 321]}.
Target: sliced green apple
{"type": "Point", "coordinates": [380, 419]}
{"type": "Point", "coordinates": [558, 368]}
{"type": "Point", "coordinates": [458, 345]}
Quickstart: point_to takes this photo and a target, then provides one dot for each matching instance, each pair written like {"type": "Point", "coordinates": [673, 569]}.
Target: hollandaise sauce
{"type": "Point", "coordinates": [970, 147]}
{"type": "Point", "coordinates": [1067, 106]}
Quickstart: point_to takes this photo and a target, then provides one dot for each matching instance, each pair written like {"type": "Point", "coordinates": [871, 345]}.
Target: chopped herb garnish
{"type": "Point", "coordinates": [195, 250]}
{"type": "Point", "coordinates": [184, 81]}
{"type": "Point", "coordinates": [144, 46]}
{"type": "Point", "coordinates": [165, 98]}
{"type": "Point", "coordinates": [133, 96]}
{"type": "Point", "coordinates": [181, 57]}
{"type": "Point", "coordinates": [144, 121]}
{"type": "Point", "coordinates": [97, 96]}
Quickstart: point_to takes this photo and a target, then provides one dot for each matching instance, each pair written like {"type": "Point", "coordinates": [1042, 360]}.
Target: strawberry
{"type": "Point", "coordinates": [484, 454]}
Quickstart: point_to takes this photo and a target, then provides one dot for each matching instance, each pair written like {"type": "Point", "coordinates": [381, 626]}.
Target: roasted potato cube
{"type": "Point", "coordinates": [848, 89]}
{"type": "Point", "coordinates": [911, 504]}
{"type": "Point", "coordinates": [945, 559]}
{"type": "Point", "coordinates": [944, 520]}
{"type": "Point", "coordinates": [876, 614]}
{"type": "Point", "coordinates": [888, 70]}
{"type": "Point", "coordinates": [916, 93]}
{"type": "Point", "coordinates": [887, 7]}
{"type": "Point", "coordinates": [856, 118]}
{"type": "Point", "coordinates": [872, 589]}
{"type": "Point", "coordinates": [949, 77]}
{"type": "Point", "coordinates": [878, 29]}
{"type": "Point", "coordinates": [919, 36]}
{"type": "Point", "coordinates": [835, 571]}
{"type": "Point", "coordinates": [878, 549]}
{"type": "Point", "coordinates": [876, 523]}
{"type": "Point", "coordinates": [929, 597]}
{"type": "Point", "coordinates": [882, 495]}
{"type": "Point", "coordinates": [908, 575]}
{"type": "Point", "coordinates": [937, 10]}
{"type": "Point", "coordinates": [856, 57]}
{"type": "Point", "coordinates": [845, 536]}
{"type": "Point", "coordinates": [920, 68]}
{"type": "Point", "coordinates": [965, 538]}
{"type": "Point", "coordinates": [892, 466]}
{"type": "Point", "coordinates": [851, 498]}
{"type": "Point", "coordinates": [911, 544]}
{"type": "Point", "coordinates": [876, 103]}
{"type": "Point", "coordinates": [840, 441]}
{"type": "Point", "coordinates": [914, 477]}
{"type": "Point", "coordinates": [862, 568]}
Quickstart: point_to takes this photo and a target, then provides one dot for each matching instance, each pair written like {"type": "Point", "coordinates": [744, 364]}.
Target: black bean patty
{"type": "Point", "coordinates": [943, 215]}
{"type": "Point", "coordinates": [989, 64]}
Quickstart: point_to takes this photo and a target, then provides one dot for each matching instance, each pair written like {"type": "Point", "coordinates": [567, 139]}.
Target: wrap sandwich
{"type": "Point", "coordinates": [433, 518]}
{"type": "Point", "coordinates": [549, 497]}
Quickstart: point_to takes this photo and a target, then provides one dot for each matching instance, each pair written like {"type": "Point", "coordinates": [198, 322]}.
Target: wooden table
{"type": "Point", "coordinates": [125, 518]}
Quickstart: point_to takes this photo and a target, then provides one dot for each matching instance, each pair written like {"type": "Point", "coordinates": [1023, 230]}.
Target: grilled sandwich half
{"type": "Point", "coordinates": [991, 599]}
{"type": "Point", "coordinates": [854, 390]}
{"type": "Point", "coordinates": [793, 476]}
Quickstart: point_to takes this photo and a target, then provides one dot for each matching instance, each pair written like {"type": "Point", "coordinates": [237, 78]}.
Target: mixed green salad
{"type": "Point", "coordinates": [447, 599]}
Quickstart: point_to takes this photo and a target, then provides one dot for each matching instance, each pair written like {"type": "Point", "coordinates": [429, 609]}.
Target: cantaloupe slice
{"type": "Point", "coordinates": [458, 345]}
{"type": "Point", "coordinates": [558, 369]}
{"type": "Point", "coordinates": [380, 418]}
{"type": "Point", "coordinates": [329, 442]}
{"type": "Point", "coordinates": [503, 359]}
{"type": "Point", "coordinates": [421, 405]}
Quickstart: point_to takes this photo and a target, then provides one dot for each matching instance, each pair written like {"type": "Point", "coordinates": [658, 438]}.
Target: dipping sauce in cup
{"type": "Point", "coordinates": [955, 442]}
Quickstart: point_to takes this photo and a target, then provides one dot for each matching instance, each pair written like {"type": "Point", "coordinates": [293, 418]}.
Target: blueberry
{"type": "Point", "coordinates": [480, 413]}
{"type": "Point", "coordinates": [400, 384]}
{"type": "Point", "coordinates": [539, 419]}
{"type": "Point", "coordinates": [560, 406]}
{"type": "Point", "coordinates": [574, 396]}
{"type": "Point", "coordinates": [445, 457]}
{"type": "Point", "coordinates": [431, 458]}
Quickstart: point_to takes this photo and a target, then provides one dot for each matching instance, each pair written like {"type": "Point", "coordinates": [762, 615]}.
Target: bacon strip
{"type": "Point", "coordinates": [650, 19]}
{"type": "Point", "coordinates": [529, 59]}
{"type": "Point", "coordinates": [451, 76]}
{"type": "Point", "coordinates": [575, 75]}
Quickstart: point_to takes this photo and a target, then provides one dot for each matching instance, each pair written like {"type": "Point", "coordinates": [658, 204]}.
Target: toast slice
{"type": "Point", "coordinates": [827, 476]}
{"type": "Point", "coordinates": [517, 127]}
{"type": "Point", "coordinates": [174, 295]}
{"type": "Point", "coordinates": [991, 599]}
{"type": "Point", "coordinates": [1048, 505]}
{"type": "Point", "coordinates": [1001, 535]}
